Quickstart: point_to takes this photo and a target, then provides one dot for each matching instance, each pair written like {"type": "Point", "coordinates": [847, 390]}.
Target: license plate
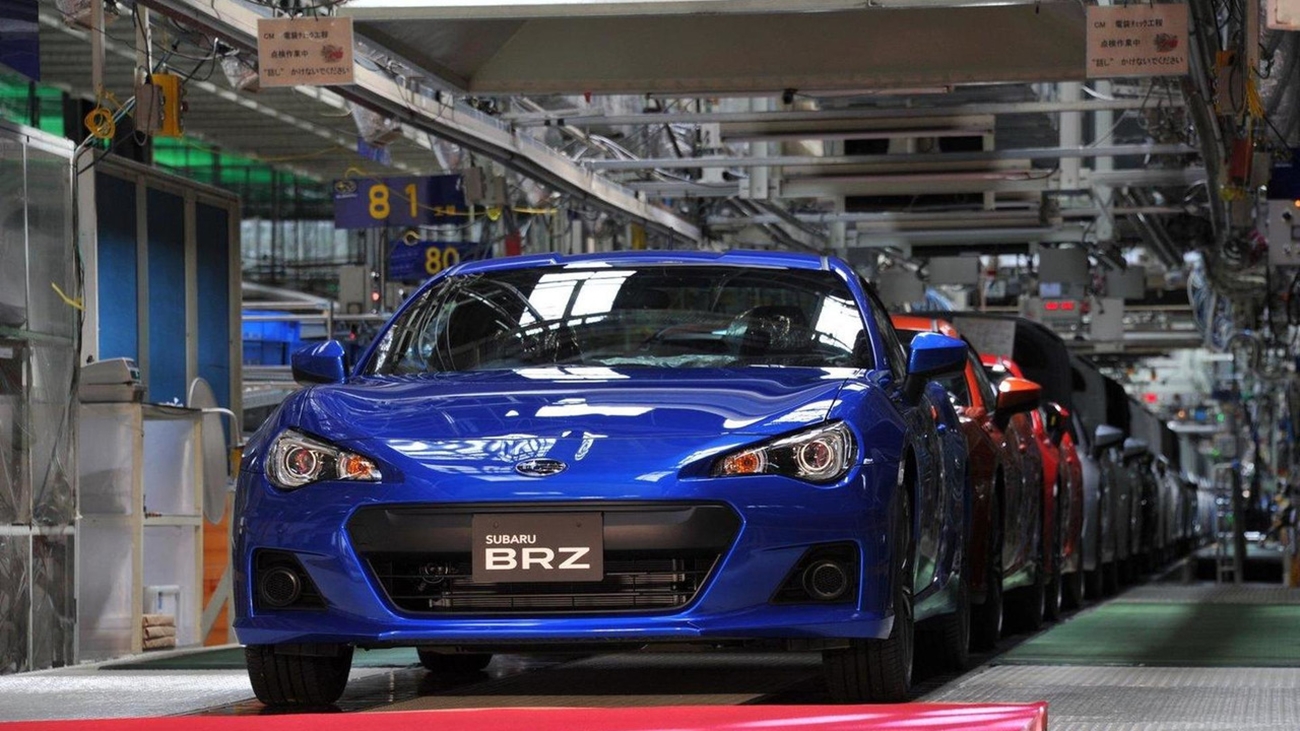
{"type": "Point", "coordinates": [534, 547]}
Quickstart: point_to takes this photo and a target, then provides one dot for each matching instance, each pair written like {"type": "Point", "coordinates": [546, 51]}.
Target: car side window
{"type": "Point", "coordinates": [893, 346]}
{"type": "Point", "coordinates": [957, 390]}
{"type": "Point", "coordinates": [985, 386]}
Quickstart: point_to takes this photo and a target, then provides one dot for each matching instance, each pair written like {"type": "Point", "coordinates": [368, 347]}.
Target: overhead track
{"type": "Point", "coordinates": [236, 24]}
{"type": "Point", "coordinates": [1038, 153]}
{"type": "Point", "coordinates": [579, 118]}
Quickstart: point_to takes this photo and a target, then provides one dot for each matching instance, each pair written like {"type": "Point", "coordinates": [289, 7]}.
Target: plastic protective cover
{"type": "Point", "coordinates": [39, 324]}
{"type": "Point", "coordinates": [15, 602]}
{"type": "Point", "coordinates": [53, 589]}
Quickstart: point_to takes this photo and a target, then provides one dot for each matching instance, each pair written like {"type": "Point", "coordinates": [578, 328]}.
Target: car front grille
{"type": "Point", "coordinates": [442, 584]}
{"type": "Point", "coordinates": [657, 559]}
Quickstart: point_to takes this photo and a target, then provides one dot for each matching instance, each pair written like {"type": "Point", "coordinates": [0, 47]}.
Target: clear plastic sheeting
{"type": "Point", "coordinates": [53, 609]}
{"type": "Point", "coordinates": [14, 495]}
{"type": "Point", "coordinates": [15, 602]}
{"type": "Point", "coordinates": [50, 418]}
{"type": "Point", "coordinates": [39, 322]}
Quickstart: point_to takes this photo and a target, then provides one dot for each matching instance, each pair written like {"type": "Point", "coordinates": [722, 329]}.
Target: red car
{"type": "Point", "coordinates": [1006, 479]}
{"type": "Point", "coordinates": [1063, 479]}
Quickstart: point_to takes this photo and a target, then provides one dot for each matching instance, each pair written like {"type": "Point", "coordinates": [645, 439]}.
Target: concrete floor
{"type": "Point", "coordinates": [1081, 698]}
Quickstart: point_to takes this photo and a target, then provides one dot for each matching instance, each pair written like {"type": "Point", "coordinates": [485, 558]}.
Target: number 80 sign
{"type": "Point", "coordinates": [423, 259]}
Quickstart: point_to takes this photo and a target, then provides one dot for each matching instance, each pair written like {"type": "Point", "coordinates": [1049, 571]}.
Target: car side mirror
{"type": "Point", "coordinates": [1016, 396]}
{"type": "Point", "coordinates": [1056, 421]}
{"type": "Point", "coordinates": [320, 363]}
{"type": "Point", "coordinates": [932, 355]}
{"type": "Point", "coordinates": [1134, 448]}
{"type": "Point", "coordinates": [1104, 438]}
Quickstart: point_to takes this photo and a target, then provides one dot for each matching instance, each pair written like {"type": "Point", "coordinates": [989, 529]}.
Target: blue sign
{"type": "Point", "coordinates": [19, 37]}
{"type": "Point", "coordinates": [381, 155]}
{"type": "Point", "coordinates": [423, 259]}
{"type": "Point", "coordinates": [401, 202]}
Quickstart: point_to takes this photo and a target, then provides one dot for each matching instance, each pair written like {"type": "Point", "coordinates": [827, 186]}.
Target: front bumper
{"type": "Point", "coordinates": [776, 522]}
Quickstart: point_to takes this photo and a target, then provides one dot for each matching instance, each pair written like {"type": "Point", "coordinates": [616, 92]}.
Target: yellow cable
{"type": "Point", "coordinates": [99, 122]}
{"type": "Point", "coordinates": [66, 299]}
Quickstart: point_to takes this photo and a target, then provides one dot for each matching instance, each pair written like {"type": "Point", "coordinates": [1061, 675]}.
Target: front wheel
{"type": "Point", "coordinates": [880, 671]}
{"type": "Point", "coordinates": [304, 681]}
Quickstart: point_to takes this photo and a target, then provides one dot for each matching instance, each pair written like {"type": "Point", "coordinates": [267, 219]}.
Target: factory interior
{"type": "Point", "coordinates": [631, 365]}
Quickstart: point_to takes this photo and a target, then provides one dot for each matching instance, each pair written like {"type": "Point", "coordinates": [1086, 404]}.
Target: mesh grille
{"type": "Point", "coordinates": [443, 584]}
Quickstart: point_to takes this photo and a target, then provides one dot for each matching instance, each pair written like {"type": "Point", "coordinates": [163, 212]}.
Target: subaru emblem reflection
{"type": "Point", "coordinates": [540, 467]}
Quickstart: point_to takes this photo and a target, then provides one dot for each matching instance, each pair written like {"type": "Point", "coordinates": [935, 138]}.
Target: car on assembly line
{"type": "Point", "coordinates": [1079, 387]}
{"type": "Point", "coordinates": [1006, 482]}
{"type": "Point", "coordinates": [607, 451]}
{"type": "Point", "coordinates": [1062, 494]}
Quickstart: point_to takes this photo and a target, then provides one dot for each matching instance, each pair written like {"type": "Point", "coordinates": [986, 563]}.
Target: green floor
{"type": "Point", "coordinates": [1182, 635]}
{"type": "Point", "coordinates": [233, 659]}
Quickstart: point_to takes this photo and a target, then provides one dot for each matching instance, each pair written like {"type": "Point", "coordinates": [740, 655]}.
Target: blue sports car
{"type": "Point", "coordinates": [608, 451]}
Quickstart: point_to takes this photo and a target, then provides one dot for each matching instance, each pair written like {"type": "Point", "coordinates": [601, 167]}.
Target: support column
{"type": "Point", "coordinates": [1103, 121]}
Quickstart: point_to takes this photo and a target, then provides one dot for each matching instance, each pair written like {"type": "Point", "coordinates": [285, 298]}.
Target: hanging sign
{"type": "Point", "coordinates": [420, 260]}
{"type": "Point", "coordinates": [1283, 15]}
{"type": "Point", "coordinates": [405, 202]}
{"type": "Point", "coordinates": [1137, 40]}
{"type": "Point", "coordinates": [988, 335]}
{"type": "Point", "coordinates": [20, 44]}
{"type": "Point", "coordinates": [304, 51]}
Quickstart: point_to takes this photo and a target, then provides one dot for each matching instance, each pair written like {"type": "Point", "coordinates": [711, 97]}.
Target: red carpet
{"type": "Point", "coordinates": [912, 716]}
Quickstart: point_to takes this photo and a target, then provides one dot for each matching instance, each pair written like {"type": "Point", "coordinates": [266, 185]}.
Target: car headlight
{"type": "Point", "coordinates": [822, 454]}
{"type": "Point", "coordinates": [296, 459]}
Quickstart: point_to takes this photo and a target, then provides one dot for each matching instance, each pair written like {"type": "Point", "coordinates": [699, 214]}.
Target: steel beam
{"type": "Point", "coordinates": [236, 24]}
{"type": "Point", "coordinates": [1028, 153]}
{"type": "Point", "coordinates": [523, 10]}
{"type": "Point", "coordinates": [1004, 181]}
{"type": "Point", "coordinates": [579, 118]}
{"type": "Point", "coordinates": [901, 221]}
{"type": "Point", "coordinates": [967, 238]}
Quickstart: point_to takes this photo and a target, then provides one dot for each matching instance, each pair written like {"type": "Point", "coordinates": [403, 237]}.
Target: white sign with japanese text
{"type": "Point", "coordinates": [1283, 15]}
{"type": "Point", "coordinates": [1137, 40]}
{"type": "Point", "coordinates": [304, 51]}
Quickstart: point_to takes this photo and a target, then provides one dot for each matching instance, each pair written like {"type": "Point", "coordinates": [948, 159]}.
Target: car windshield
{"type": "Point", "coordinates": [666, 316]}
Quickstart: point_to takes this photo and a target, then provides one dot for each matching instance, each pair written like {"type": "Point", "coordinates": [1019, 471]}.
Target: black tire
{"type": "Point", "coordinates": [986, 617]}
{"type": "Point", "coordinates": [436, 662]}
{"type": "Point", "coordinates": [1125, 571]}
{"type": "Point", "coordinates": [1093, 582]}
{"type": "Point", "coordinates": [1072, 590]}
{"type": "Point", "coordinates": [1026, 605]}
{"type": "Point", "coordinates": [880, 671]}
{"type": "Point", "coordinates": [1110, 579]}
{"type": "Point", "coordinates": [1054, 590]}
{"type": "Point", "coordinates": [943, 643]}
{"type": "Point", "coordinates": [303, 681]}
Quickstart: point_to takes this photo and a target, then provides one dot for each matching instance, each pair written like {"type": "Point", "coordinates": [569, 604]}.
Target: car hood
{"type": "Point", "coordinates": [550, 403]}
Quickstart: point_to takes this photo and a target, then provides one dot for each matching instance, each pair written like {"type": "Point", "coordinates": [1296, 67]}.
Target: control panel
{"type": "Point", "coordinates": [1284, 232]}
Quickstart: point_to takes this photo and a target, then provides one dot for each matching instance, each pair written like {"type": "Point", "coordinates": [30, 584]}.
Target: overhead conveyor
{"type": "Point", "coordinates": [235, 23]}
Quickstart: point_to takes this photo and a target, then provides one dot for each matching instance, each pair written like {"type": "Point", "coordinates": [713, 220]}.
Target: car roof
{"type": "Point", "coordinates": [925, 324]}
{"type": "Point", "coordinates": [775, 259]}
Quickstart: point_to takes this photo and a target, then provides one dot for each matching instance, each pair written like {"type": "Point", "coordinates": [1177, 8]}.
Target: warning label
{"type": "Point", "coordinates": [304, 51]}
{"type": "Point", "coordinates": [1137, 40]}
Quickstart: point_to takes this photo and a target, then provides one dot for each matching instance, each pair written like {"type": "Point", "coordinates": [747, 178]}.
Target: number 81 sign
{"type": "Point", "coordinates": [405, 202]}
